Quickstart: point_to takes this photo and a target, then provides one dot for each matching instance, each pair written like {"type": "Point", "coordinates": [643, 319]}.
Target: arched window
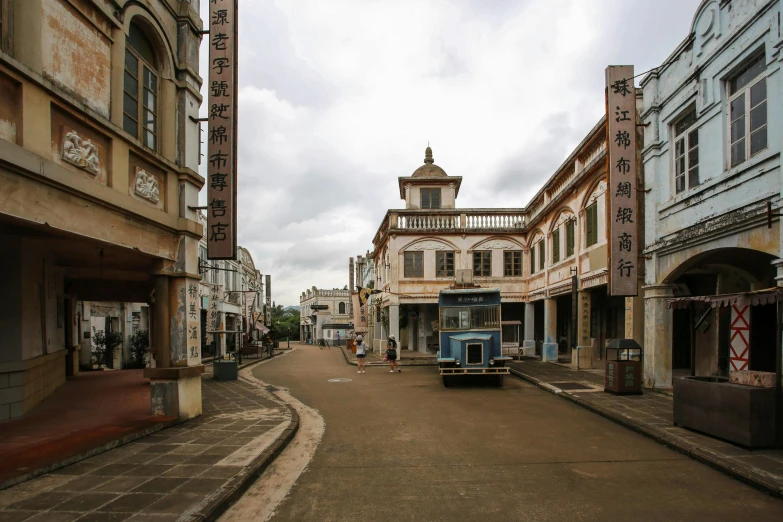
{"type": "Point", "coordinates": [140, 99]}
{"type": "Point", "coordinates": [341, 308]}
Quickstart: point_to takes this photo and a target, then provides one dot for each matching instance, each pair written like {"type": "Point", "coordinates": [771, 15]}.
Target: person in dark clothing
{"type": "Point", "coordinates": [391, 354]}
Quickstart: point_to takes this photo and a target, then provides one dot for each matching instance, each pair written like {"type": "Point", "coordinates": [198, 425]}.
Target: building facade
{"type": "Point", "coordinates": [325, 315]}
{"type": "Point", "coordinates": [239, 305]}
{"type": "Point", "coordinates": [712, 138]}
{"type": "Point", "coordinates": [549, 261]}
{"type": "Point", "coordinates": [99, 152]}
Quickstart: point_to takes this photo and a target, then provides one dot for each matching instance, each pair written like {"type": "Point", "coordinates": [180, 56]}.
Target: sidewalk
{"type": "Point", "coordinates": [651, 414]}
{"type": "Point", "coordinates": [190, 472]}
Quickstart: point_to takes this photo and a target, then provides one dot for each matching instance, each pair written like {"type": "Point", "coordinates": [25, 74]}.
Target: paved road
{"type": "Point", "coordinates": [402, 447]}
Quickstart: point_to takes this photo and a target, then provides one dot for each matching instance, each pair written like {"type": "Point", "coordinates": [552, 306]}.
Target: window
{"type": "Point", "coordinates": [591, 224]}
{"type": "Point", "coordinates": [482, 263]}
{"type": "Point", "coordinates": [454, 318]}
{"type": "Point", "coordinates": [444, 264]}
{"type": "Point", "coordinates": [430, 198]}
{"type": "Point", "coordinates": [464, 318]}
{"type": "Point", "coordinates": [533, 259]}
{"type": "Point", "coordinates": [6, 35]}
{"type": "Point", "coordinates": [140, 106]}
{"type": "Point", "coordinates": [686, 152]}
{"type": "Point", "coordinates": [202, 259]}
{"type": "Point", "coordinates": [541, 255]}
{"type": "Point", "coordinates": [556, 246]}
{"type": "Point", "coordinates": [341, 308]}
{"type": "Point", "coordinates": [414, 264]}
{"type": "Point", "coordinates": [570, 237]}
{"type": "Point", "coordinates": [748, 93]}
{"type": "Point", "coordinates": [512, 263]}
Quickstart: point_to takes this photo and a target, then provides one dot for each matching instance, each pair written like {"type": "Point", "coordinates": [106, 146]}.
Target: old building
{"type": "Point", "coordinates": [325, 315]}
{"type": "Point", "coordinates": [531, 254]}
{"type": "Point", "coordinates": [99, 153]}
{"type": "Point", "coordinates": [239, 307]}
{"type": "Point", "coordinates": [712, 137]}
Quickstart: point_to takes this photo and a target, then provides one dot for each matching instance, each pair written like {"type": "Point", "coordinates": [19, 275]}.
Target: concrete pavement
{"type": "Point", "coordinates": [402, 447]}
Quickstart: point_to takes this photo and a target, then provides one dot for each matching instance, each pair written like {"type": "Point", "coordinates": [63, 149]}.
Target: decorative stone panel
{"type": "Point", "coordinates": [146, 186]}
{"type": "Point", "coordinates": [81, 153]}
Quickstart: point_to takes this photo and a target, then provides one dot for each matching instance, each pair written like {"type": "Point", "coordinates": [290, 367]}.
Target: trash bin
{"type": "Point", "coordinates": [623, 371]}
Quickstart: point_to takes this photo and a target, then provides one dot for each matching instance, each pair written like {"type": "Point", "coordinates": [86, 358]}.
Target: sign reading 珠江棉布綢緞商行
{"type": "Point", "coordinates": [222, 131]}
{"type": "Point", "coordinates": [622, 208]}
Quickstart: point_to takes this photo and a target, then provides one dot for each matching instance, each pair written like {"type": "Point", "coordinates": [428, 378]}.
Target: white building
{"type": "Point", "coordinates": [712, 115]}
{"type": "Point", "coordinates": [325, 315]}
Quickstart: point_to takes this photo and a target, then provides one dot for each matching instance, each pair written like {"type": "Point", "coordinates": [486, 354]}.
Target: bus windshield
{"type": "Point", "coordinates": [465, 318]}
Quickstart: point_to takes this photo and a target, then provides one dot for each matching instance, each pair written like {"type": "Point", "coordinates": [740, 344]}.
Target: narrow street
{"type": "Point", "coordinates": [402, 447]}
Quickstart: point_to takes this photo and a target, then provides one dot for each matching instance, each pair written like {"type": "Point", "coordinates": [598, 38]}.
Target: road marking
{"type": "Point", "coordinates": [263, 497]}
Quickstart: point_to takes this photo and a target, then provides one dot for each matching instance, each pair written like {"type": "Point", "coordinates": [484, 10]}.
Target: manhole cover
{"type": "Point", "coordinates": [569, 386]}
{"type": "Point", "coordinates": [340, 380]}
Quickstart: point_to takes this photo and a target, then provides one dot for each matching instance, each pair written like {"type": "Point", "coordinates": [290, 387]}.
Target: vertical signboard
{"type": "Point", "coordinates": [213, 317]}
{"type": "Point", "coordinates": [222, 131]}
{"type": "Point", "coordinates": [359, 313]}
{"type": "Point", "coordinates": [622, 208]}
{"type": "Point", "coordinates": [268, 308]}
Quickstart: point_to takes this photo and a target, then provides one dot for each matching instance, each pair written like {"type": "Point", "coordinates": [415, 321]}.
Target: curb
{"type": "Point", "coordinates": [352, 362]}
{"type": "Point", "coordinates": [698, 453]}
{"type": "Point", "coordinates": [130, 437]}
{"type": "Point", "coordinates": [232, 492]}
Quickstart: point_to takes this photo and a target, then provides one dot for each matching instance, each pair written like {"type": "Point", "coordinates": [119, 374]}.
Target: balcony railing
{"type": "Point", "coordinates": [457, 219]}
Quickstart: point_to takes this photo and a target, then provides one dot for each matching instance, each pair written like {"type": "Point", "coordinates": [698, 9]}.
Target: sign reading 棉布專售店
{"type": "Point", "coordinates": [268, 308]}
{"type": "Point", "coordinates": [622, 208]}
{"type": "Point", "coordinates": [222, 131]}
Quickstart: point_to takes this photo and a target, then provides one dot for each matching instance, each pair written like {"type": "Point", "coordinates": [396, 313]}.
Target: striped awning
{"type": "Point", "coordinates": [756, 298]}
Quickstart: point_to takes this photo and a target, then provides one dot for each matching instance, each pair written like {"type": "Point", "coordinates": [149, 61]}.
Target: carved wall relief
{"type": "Point", "coordinates": [82, 153]}
{"type": "Point", "coordinates": [497, 244]}
{"type": "Point", "coordinates": [146, 186]}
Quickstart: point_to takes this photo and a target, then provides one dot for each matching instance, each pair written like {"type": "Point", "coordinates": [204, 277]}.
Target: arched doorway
{"type": "Point", "coordinates": [701, 335]}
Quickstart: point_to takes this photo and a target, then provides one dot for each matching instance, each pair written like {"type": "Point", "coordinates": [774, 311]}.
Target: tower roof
{"type": "Point", "coordinates": [429, 169]}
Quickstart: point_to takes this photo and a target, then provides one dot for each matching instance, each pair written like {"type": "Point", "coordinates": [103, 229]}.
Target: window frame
{"type": "Point", "coordinates": [444, 255]}
{"type": "Point", "coordinates": [341, 308]}
{"type": "Point", "coordinates": [483, 256]}
{"type": "Point", "coordinates": [413, 265]}
{"type": "Point", "coordinates": [542, 255]}
{"type": "Point", "coordinates": [747, 109]}
{"type": "Point", "coordinates": [556, 246]}
{"type": "Point", "coordinates": [512, 267]}
{"type": "Point", "coordinates": [591, 224]}
{"type": "Point", "coordinates": [533, 259]}
{"type": "Point", "coordinates": [143, 68]}
{"type": "Point", "coordinates": [430, 192]}
{"type": "Point", "coordinates": [570, 226]}
{"type": "Point", "coordinates": [6, 26]}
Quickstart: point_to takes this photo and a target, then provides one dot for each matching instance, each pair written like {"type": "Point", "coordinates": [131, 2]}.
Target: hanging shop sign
{"type": "Point", "coordinates": [622, 208]}
{"type": "Point", "coordinates": [222, 131]}
{"type": "Point", "coordinates": [268, 307]}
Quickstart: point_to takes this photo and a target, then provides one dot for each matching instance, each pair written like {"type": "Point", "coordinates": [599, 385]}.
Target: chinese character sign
{"type": "Point", "coordinates": [222, 131]}
{"type": "Point", "coordinates": [359, 314]}
{"type": "Point", "coordinates": [622, 208]}
{"type": "Point", "coordinates": [268, 308]}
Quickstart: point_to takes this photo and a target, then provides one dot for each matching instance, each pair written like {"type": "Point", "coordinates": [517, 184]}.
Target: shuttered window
{"type": "Point", "coordinates": [556, 246]}
{"type": "Point", "coordinates": [570, 237]}
{"type": "Point", "coordinates": [414, 264]}
{"type": "Point", "coordinates": [591, 224]}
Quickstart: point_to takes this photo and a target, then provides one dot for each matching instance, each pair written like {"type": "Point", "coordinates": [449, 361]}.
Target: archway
{"type": "Point", "coordinates": [701, 335]}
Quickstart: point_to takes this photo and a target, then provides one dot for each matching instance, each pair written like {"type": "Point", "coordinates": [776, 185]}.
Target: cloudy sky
{"type": "Point", "coordinates": [338, 98]}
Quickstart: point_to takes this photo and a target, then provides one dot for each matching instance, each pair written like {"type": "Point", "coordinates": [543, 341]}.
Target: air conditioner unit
{"type": "Point", "coordinates": [464, 276]}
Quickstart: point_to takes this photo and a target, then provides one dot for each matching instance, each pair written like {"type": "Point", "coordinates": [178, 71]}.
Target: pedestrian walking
{"type": "Point", "coordinates": [361, 354]}
{"type": "Point", "coordinates": [391, 354]}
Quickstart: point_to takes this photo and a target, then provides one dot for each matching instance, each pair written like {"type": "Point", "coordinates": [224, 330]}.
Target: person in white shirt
{"type": "Point", "coordinates": [361, 354]}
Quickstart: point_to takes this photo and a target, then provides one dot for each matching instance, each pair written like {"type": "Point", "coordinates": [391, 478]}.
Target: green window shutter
{"type": "Point", "coordinates": [532, 260]}
{"type": "Point", "coordinates": [570, 238]}
{"type": "Point", "coordinates": [542, 254]}
{"type": "Point", "coordinates": [556, 246]}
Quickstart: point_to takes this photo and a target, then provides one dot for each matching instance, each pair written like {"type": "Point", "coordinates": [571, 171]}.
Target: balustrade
{"type": "Point", "coordinates": [457, 220]}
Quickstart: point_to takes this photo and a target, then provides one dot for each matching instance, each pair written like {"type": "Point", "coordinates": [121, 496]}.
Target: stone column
{"type": "Point", "coordinates": [584, 344]}
{"type": "Point", "coordinates": [394, 323]}
{"type": "Point", "coordinates": [549, 349]}
{"type": "Point", "coordinates": [160, 322]}
{"type": "Point", "coordinates": [657, 337]}
{"type": "Point", "coordinates": [634, 318]}
{"type": "Point", "coordinates": [529, 338]}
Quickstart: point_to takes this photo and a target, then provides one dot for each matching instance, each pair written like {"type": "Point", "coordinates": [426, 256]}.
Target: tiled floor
{"type": "Point", "coordinates": [655, 410]}
{"type": "Point", "coordinates": [163, 477]}
{"type": "Point", "coordinates": [89, 410]}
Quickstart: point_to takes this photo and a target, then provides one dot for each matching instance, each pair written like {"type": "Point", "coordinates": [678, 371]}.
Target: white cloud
{"type": "Point", "coordinates": [339, 98]}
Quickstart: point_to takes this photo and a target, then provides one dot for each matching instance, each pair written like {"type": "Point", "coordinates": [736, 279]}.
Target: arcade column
{"type": "Point", "coordinates": [657, 337]}
{"type": "Point", "coordinates": [529, 339]}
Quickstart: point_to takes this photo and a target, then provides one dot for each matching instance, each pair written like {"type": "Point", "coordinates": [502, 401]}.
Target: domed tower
{"type": "Point", "coordinates": [429, 187]}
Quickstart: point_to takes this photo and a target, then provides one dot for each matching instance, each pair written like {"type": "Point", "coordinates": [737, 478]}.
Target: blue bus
{"type": "Point", "coordinates": [470, 335]}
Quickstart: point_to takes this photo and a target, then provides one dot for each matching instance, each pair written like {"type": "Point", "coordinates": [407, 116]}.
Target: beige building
{"type": "Point", "coordinates": [530, 254]}
{"type": "Point", "coordinates": [99, 152]}
{"type": "Point", "coordinates": [325, 315]}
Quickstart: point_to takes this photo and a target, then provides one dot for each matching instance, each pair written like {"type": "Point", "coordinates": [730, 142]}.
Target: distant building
{"type": "Point", "coordinates": [324, 314]}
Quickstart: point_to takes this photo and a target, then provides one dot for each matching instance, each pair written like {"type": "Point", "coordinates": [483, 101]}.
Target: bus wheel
{"type": "Point", "coordinates": [498, 381]}
{"type": "Point", "coordinates": [447, 381]}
